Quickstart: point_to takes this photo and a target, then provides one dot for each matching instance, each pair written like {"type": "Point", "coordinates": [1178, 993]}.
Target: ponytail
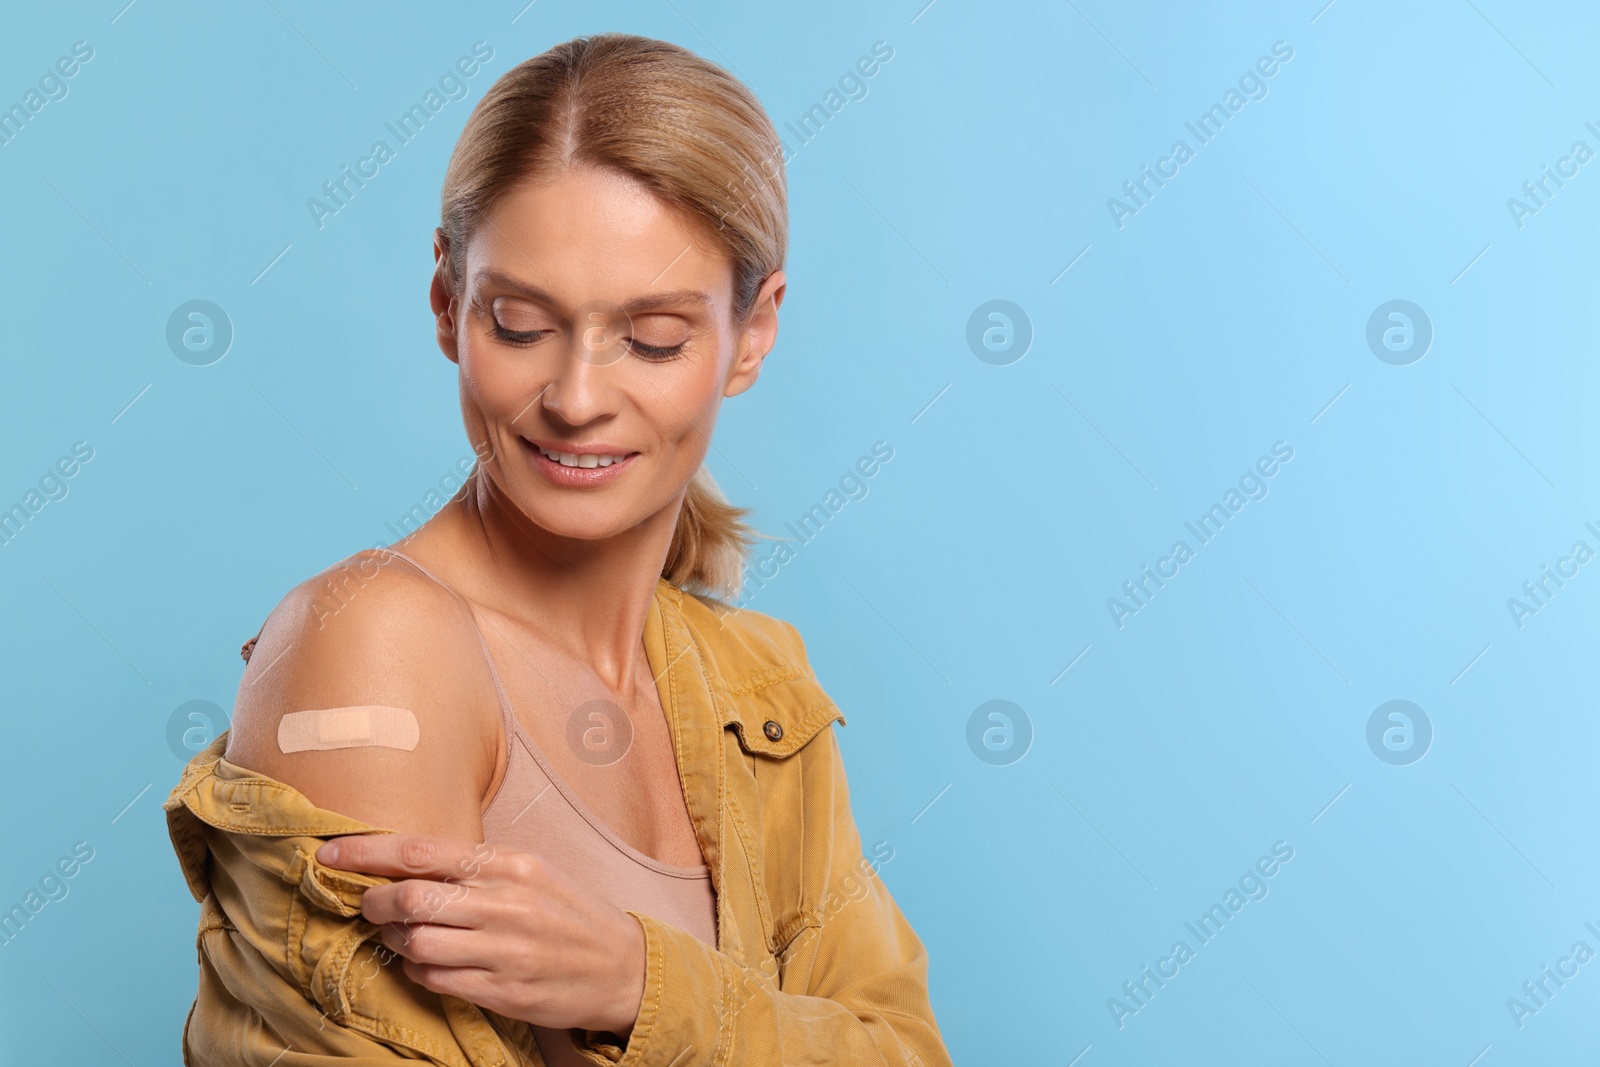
{"type": "Point", "coordinates": [710, 542]}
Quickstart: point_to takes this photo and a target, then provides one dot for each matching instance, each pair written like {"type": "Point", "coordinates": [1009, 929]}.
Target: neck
{"type": "Point", "coordinates": [590, 598]}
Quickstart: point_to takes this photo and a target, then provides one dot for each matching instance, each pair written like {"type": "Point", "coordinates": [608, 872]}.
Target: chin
{"type": "Point", "coordinates": [597, 526]}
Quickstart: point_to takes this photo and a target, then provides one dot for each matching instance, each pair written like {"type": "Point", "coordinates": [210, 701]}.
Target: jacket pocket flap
{"type": "Point", "coordinates": [777, 716]}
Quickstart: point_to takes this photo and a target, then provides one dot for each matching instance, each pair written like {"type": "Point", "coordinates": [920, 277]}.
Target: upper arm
{"type": "Point", "coordinates": [384, 635]}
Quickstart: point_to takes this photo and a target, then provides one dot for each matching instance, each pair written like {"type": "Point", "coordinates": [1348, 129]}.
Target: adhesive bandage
{"type": "Point", "coordinates": [365, 726]}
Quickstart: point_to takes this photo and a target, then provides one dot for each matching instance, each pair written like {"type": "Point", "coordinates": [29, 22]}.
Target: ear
{"type": "Point", "coordinates": [441, 299]}
{"type": "Point", "coordinates": [757, 335]}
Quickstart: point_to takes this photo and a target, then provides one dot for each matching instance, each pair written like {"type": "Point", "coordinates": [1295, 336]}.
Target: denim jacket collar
{"type": "Point", "coordinates": [707, 672]}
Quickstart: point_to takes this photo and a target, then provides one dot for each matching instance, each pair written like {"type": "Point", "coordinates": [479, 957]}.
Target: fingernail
{"type": "Point", "coordinates": [329, 852]}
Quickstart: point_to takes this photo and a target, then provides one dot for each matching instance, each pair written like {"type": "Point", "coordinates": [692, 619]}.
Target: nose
{"type": "Point", "coordinates": [582, 387]}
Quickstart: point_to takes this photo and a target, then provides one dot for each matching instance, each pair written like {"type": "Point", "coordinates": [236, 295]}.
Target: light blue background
{"type": "Point", "coordinates": [1224, 316]}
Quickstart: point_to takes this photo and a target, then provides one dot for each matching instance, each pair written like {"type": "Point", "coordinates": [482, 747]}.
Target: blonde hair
{"type": "Point", "coordinates": [685, 129]}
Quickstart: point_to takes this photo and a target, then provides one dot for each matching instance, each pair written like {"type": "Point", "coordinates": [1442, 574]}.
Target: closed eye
{"type": "Point", "coordinates": [523, 338]}
{"type": "Point", "coordinates": [518, 337]}
{"type": "Point", "coordinates": [655, 352]}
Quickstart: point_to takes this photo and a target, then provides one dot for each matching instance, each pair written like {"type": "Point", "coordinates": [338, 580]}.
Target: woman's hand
{"type": "Point", "coordinates": [500, 928]}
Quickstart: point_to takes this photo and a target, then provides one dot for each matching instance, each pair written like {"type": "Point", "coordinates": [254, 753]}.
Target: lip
{"type": "Point", "coordinates": [601, 448]}
{"type": "Point", "coordinates": [578, 476]}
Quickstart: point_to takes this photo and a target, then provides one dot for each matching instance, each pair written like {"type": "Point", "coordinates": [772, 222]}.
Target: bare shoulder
{"type": "Point", "coordinates": [373, 631]}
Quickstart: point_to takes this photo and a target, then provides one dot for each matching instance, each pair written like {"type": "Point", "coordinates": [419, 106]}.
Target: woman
{"type": "Point", "coordinates": [610, 809]}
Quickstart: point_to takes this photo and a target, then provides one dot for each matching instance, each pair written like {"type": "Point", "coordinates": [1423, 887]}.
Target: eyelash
{"type": "Point", "coordinates": [652, 353]}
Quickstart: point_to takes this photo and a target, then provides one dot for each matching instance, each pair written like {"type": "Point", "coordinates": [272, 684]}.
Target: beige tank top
{"type": "Point", "coordinates": [534, 810]}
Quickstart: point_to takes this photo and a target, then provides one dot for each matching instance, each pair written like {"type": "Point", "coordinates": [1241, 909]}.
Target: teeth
{"type": "Point", "coordinates": [567, 459]}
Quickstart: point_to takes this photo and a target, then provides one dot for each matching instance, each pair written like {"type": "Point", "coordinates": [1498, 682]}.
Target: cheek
{"type": "Point", "coordinates": [684, 406]}
{"type": "Point", "coordinates": [491, 383]}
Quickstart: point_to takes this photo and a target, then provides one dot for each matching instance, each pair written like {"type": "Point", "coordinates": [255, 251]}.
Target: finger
{"type": "Point", "coordinates": [406, 855]}
{"type": "Point", "coordinates": [430, 943]}
{"type": "Point", "coordinates": [418, 900]}
{"type": "Point", "coordinates": [473, 984]}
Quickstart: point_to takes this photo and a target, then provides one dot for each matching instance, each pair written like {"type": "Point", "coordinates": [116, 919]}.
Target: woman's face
{"type": "Point", "coordinates": [596, 321]}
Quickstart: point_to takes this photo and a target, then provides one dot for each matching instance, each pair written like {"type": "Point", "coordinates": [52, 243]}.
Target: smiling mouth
{"type": "Point", "coordinates": [568, 459]}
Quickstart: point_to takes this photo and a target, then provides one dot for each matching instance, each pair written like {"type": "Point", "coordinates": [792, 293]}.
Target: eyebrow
{"type": "Point", "coordinates": [637, 305]}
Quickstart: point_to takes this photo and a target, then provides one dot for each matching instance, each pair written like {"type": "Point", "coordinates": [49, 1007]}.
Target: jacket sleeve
{"type": "Point", "coordinates": [361, 1011]}
{"type": "Point", "coordinates": [290, 974]}
{"type": "Point", "coordinates": [247, 1014]}
{"type": "Point", "coordinates": [852, 989]}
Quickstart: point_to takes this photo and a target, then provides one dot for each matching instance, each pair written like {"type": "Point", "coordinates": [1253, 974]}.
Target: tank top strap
{"type": "Point", "coordinates": [508, 720]}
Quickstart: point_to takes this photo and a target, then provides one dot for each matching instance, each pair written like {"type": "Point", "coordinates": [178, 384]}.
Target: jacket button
{"type": "Point", "coordinates": [773, 731]}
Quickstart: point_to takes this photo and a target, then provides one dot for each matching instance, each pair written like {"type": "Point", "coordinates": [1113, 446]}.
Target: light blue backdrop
{"type": "Point", "coordinates": [1171, 343]}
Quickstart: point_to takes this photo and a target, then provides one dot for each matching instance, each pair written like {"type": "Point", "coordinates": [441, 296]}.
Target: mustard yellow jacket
{"type": "Point", "coordinates": [815, 962]}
